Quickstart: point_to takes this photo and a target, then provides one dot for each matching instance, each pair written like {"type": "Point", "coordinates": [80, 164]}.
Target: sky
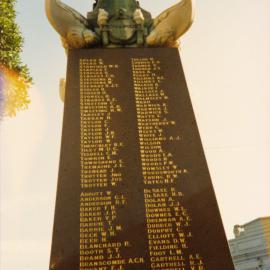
{"type": "Point", "coordinates": [226, 59]}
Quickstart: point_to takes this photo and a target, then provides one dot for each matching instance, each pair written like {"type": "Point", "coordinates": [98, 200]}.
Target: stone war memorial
{"type": "Point", "coordinates": [134, 191]}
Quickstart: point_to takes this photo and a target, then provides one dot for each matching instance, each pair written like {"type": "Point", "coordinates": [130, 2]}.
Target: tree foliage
{"type": "Point", "coordinates": [14, 75]}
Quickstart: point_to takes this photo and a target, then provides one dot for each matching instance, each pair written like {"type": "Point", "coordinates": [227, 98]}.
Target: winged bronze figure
{"type": "Point", "coordinates": [119, 23]}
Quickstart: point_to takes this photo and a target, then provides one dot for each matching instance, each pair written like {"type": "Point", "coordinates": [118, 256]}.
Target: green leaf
{"type": "Point", "coordinates": [16, 75]}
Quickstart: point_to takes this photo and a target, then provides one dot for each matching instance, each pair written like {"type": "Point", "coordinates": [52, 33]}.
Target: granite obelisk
{"type": "Point", "coordinates": [134, 190]}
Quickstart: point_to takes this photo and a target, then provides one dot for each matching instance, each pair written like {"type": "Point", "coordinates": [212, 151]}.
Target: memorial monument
{"type": "Point", "coordinates": [134, 191]}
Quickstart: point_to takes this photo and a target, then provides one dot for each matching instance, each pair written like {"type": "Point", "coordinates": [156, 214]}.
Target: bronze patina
{"type": "Point", "coordinates": [122, 27]}
{"type": "Point", "coordinates": [119, 23]}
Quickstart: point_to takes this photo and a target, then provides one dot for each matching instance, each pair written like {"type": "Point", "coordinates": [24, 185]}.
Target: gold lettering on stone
{"type": "Point", "coordinates": [100, 161]}
{"type": "Point", "coordinates": [101, 171]}
{"type": "Point", "coordinates": [168, 221]}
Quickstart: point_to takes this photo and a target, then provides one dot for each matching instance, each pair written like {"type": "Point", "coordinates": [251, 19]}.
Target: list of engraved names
{"type": "Point", "coordinates": [168, 224]}
{"type": "Point", "coordinates": [101, 169]}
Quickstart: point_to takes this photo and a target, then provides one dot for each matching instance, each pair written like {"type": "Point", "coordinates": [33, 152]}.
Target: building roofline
{"type": "Point", "coordinates": [260, 218]}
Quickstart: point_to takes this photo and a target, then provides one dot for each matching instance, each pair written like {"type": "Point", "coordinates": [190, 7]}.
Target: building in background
{"type": "Point", "coordinates": [250, 249]}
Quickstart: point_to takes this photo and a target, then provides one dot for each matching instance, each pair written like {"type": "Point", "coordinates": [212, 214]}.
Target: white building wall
{"type": "Point", "coordinates": [250, 248]}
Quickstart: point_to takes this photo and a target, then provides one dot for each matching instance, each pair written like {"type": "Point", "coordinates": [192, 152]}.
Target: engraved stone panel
{"type": "Point", "coordinates": [134, 191]}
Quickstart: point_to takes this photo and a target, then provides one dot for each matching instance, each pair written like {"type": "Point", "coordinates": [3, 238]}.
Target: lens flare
{"type": "Point", "coordinates": [13, 92]}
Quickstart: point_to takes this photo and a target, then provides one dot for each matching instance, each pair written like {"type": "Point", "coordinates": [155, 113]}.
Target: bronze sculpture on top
{"type": "Point", "coordinates": [119, 23]}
